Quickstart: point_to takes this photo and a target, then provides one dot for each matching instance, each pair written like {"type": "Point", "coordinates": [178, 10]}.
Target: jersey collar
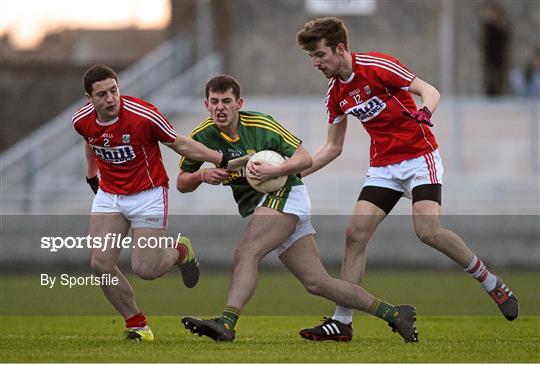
{"type": "Point", "coordinates": [105, 124]}
{"type": "Point", "coordinates": [230, 139]}
{"type": "Point", "coordinates": [348, 80]}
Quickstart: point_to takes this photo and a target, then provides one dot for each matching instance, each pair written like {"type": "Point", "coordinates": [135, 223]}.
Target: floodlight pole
{"type": "Point", "coordinates": [446, 72]}
{"type": "Point", "coordinates": [205, 29]}
{"type": "Point", "coordinates": [446, 47]}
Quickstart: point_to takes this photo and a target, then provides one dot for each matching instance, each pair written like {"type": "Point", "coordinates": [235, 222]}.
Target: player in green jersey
{"type": "Point", "coordinates": [240, 133]}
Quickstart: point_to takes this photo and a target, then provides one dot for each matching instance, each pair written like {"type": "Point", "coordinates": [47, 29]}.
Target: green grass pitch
{"type": "Point", "coordinates": [456, 320]}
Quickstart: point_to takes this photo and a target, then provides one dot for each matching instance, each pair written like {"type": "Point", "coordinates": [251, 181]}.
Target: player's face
{"type": "Point", "coordinates": [106, 99]}
{"type": "Point", "coordinates": [326, 60]}
{"type": "Point", "coordinates": [223, 108]}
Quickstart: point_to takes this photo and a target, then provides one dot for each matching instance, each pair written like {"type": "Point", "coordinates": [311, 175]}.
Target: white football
{"type": "Point", "coordinates": [273, 184]}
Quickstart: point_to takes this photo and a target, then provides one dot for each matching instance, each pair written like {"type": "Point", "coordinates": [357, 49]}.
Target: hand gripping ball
{"type": "Point", "coordinates": [274, 184]}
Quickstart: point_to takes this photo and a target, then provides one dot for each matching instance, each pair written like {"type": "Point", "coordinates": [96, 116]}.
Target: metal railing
{"type": "Point", "coordinates": [50, 160]}
{"type": "Point", "coordinates": [180, 91]}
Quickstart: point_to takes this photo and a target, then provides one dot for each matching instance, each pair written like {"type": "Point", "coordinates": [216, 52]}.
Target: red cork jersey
{"type": "Point", "coordinates": [377, 94]}
{"type": "Point", "coordinates": [126, 148]}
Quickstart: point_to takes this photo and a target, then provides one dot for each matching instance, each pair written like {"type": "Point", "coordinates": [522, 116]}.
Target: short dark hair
{"type": "Point", "coordinates": [97, 73]}
{"type": "Point", "coordinates": [221, 84]}
{"type": "Point", "coordinates": [332, 29]}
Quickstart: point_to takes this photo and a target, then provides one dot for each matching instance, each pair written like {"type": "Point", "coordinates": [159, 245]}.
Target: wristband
{"type": "Point", "coordinates": [425, 108]}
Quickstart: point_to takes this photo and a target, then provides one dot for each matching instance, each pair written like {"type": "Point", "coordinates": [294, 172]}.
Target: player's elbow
{"type": "Point", "coordinates": [309, 163]}
{"type": "Point", "coordinates": [182, 186]}
{"type": "Point", "coordinates": [436, 94]}
{"type": "Point", "coordinates": [306, 162]}
{"type": "Point", "coordinates": [179, 145]}
{"type": "Point", "coordinates": [302, 159]}
{"type": "Point", "coordinates": [430, 92]}
{"type": "Point", "coordinates": [183, 189]}
{"type": "Point", "coordinates": [335, 150]}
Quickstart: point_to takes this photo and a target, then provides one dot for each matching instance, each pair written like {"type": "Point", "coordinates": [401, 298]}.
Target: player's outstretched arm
{"type": "Point", "coordinates": [195, 151]}
{"type": "Point", "coordinates": [299, 161]}
{"type": "Point", "coordinates": [187, 182]}
{"type": "Point", "coordinates": [331, 149]}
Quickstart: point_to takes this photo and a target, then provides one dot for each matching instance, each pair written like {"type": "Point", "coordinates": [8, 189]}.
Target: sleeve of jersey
{"type": "Point", "coordinates": [164, 131]}
{"type": "Point", "coordinates": [78, 116]}
{"type": "Point", "coordinates": [388, 70]}
{"type": "Point", "coordinates": [77, 129]}
{"type": "Point", "coordinates": [335, 115]}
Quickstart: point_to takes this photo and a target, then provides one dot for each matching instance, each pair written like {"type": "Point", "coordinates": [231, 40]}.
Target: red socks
{"type": "Point", "coordinates": [478, 270]}
{"type": "Point", "coordinates": [182, 252]}
{"type": "Point", "coordinates": [138, 320]}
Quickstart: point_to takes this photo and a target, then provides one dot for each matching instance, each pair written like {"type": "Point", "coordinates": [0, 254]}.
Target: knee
{"type": "Point", "coordinates": [102, 266]}
{"type": "Point", "coordinates": [357, 236]}
{"type": "Point", "coordinates": [143, 270]}
{"type": "Point", "coordinates": [428, 235]}
{"type": "Point", "coordinates": [239, 256]}
{"type": "Point", "coordinates": [243, 256]}
{"type": "Point", "coordinates": [313, 288]}
{"type": "Point", "coordinates": [316, 286]}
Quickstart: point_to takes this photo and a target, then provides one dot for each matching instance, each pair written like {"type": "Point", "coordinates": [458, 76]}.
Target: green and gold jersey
{"type": "Point", "coordinates": [256, 132]}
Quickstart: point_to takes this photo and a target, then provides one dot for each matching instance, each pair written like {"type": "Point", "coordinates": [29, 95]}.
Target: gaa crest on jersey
{"type": "Point", "coordinates": [368, 109]}
{"type": "Point", "coordinates": [115, 155]}
{"type": "Point", "coordinates": [367, 90]}
{"type": "Point", "coordinates": [126, 138]}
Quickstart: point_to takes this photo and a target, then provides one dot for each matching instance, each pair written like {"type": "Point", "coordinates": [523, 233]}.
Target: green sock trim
{"type": "Point", "coordinates": [229, 317]}
{"type": "Point", "coordinates": [383, 310]}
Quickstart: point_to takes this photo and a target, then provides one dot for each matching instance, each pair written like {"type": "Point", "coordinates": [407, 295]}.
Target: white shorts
{"type": "Point", "coordinates": [299, 204]}
{"type": "Point", "coordinates": [404, 176]}
{"type": "Point", "coordinates": [146, 209]}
